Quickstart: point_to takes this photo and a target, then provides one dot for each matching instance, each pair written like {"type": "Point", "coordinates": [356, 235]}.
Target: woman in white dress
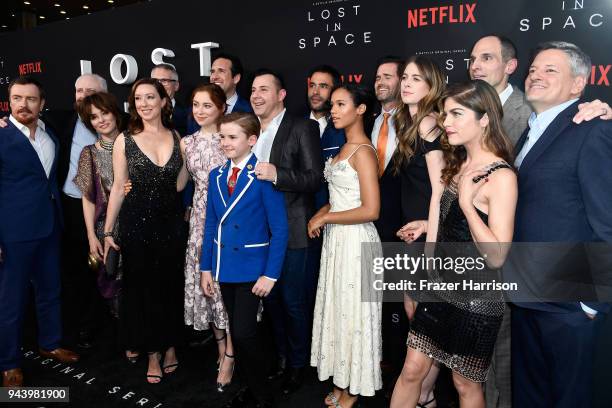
{"type": "Point", "coordinates": [346, 337]}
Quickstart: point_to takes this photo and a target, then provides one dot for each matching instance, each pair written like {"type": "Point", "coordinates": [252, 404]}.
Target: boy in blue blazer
{"type": "Point", "coordinates": [245, 239]}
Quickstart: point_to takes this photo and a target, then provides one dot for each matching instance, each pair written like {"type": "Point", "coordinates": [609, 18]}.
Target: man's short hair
{"type": "Point", "coordinates": [508, 49]}
{"type": "Point", "coordinates": [169, 68]}
{"type": "Point", "coordinates": [580, 62]}
{"type": "Point", "coordinates": [27, 80]}
{"type": "Point", "coordinates": [327, 69]}
{"type": "Point", "coordinates": [391, 59]}
{"type": "Point", "coordinates": [236, 67]}
{"type": "Point", "coordinates": [278, 79]}
{"type": "Point", "coordinates": [97, 77]}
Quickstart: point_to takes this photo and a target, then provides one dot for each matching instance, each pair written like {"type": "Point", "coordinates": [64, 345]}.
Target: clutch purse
{"type": "Point", "coordinates": [112, 263]}
{"type": "Point", "coordinates": [93, 262]}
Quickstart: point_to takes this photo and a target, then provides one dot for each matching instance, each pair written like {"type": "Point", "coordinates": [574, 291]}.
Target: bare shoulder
{"type": "Point", "coordinates": [502, 180]}
{"type": "Point", "coordinates": [428, 128]}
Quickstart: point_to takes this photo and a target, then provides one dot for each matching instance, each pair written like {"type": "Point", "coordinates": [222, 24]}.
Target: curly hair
{"type": "Point", "coordinates": [407, 126]}
{"type": "Point", "coordinates": [135, 124]}
{"type": "Point", "coordinates": [481, 98]}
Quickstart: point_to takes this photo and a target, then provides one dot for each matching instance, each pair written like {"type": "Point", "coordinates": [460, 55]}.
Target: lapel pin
{"type": "Point", "coordinates": [249, 166]}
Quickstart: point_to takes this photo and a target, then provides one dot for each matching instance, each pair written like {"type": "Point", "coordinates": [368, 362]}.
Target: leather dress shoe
{"type": "Point", "coordinates": [12, 378]}
{"type": "Point", "coordinates": [293, 380]}
{"type": "Point", "coordinates": [243, 399]}
{"type": "Point", "coordinates": [61, 355]}
{"type": "Point", "coordinates": [278, 369]}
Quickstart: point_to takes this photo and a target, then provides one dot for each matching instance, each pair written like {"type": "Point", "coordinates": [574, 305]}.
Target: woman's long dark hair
{"type": "Point", "coordinates": [406, 126]}
{"type": "Point", "coordinates": [481, 98]}
{"type": "Point", "coordinates": [135, 124]}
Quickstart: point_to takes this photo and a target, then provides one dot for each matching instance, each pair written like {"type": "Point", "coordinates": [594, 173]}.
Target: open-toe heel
{"type": "Point", "coordinates": [132, 358]}
{"type": "Point", "coordinates": [219, 340]}
{"type": "Point", "coordinates": [151, 378]}
{"type": "Point", "coordinates": [220, 386]}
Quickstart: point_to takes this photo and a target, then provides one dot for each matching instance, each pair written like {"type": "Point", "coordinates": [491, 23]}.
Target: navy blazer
{"type": "Point", "coordinates": [245, 234]}
{"type": "Point", "coordinates": [242, 105]}
{"type": "Point", "coordinates": [29, 200]}
{"type": "Point", "coordinates": [565, 193]}
{"type": "Point", "coordinates": [332, 141]}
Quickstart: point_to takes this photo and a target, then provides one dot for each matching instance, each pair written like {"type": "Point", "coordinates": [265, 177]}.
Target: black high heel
{"type": "Point", "coordinates": [159, 377]}
{"type": "Point", "coordinates": [132, 359]}
{"type": "Point", "coordinates": [221, 387]}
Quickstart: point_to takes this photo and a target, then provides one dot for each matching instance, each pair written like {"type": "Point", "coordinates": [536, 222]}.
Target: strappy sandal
{"type": "Point", "coordinates": [133, 358]}
{"type": "Point", "coordinates": [220, 386]}
{"type": "Point", "coordinates": [333, 399]}
{"type": "Point", "coordinates": [155, 376]}
{"type": "Point", "coordinates": [219, 340]}
{"type": "Point", "coordinates": [425, 404]}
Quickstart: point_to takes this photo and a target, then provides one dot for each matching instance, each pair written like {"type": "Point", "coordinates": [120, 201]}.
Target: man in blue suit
{"type": "Point", "coordinates": [565, 188]}
{"type": "Point", "coordinates": [30, 223]}
{"type": "Point", "coordinates": [226, 71]}
{"type": "Point", "coordinates": [322, 80]}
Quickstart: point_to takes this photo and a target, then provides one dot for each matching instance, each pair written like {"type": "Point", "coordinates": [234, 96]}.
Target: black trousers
{"type": "Point", "coordinates": [242, 305]}
{"type": "Point", "coordinates": [81, 300]}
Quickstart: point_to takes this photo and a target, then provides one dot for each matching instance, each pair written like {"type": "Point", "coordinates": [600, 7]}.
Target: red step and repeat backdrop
{"type": "Point", "coordinates": [292, 37]}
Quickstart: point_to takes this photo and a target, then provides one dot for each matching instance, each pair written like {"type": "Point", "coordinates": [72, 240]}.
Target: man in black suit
{"type": "Point", "coordinates": [565, 186]}
{"type": "Point", "coordinates": [289, 154]}
{"type": "Point", "coordinates": [181, 115]}
{"type": "Point", "coordinates": [80, 297]}
{"type": "Point", "coordinates": [226, 71]}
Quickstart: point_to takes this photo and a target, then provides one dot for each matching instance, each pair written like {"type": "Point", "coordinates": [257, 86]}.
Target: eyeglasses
{"type": "Point", "coordinates": [166, 81]}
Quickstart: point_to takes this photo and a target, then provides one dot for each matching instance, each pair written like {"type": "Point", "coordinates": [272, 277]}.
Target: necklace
{"type": "Point", "coordinates": [106, 145]}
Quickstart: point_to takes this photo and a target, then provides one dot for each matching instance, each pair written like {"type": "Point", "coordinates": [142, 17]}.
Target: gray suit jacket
{"type": "Point", "coordinates": [516, 115]}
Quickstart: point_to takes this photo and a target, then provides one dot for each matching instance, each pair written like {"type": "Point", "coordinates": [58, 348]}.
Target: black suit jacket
{"type": "Point", "coordinates": [296, 153]}
{"type": "Point", "coordinates": [565, 191]}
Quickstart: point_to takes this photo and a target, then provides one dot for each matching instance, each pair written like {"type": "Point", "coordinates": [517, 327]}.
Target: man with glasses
{"type": "Point", "coordinates": [167, 75]}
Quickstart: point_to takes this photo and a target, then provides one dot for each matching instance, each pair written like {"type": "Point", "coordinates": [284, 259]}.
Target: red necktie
{"type": "Point", "coordinates": [231, 183]}
{"type": "Point", "coordinates": [381, 144]}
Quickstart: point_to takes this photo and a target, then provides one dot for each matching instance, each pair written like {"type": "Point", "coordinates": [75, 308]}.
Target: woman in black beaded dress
{"type": "Point", "coordinates": [477, 205]}
{"type": "Point", "coordinates": [150, 222]}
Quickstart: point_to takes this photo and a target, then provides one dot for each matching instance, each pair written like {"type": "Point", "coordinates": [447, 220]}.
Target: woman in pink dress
{"type": "Point", "coordinates": [202, 154]}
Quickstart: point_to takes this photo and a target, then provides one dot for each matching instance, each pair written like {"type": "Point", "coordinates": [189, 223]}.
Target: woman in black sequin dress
{"type": "Point", "coordinates": [150, 235]}
{"type": "Point", "coordinates": [477, 205]}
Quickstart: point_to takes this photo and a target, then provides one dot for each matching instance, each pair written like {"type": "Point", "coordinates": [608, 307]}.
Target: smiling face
{"type": "Point", "coordinates": [387, 81]}
{"type": "Point", "coordinates": [462, 125]}
{"type": "Point", "coordinates": [86, 86]}
{"type": "Point", "coordinates": [486, 63]}
{"type": "Point", "coordinates": [320, 85]}
{"type": "Point", "coordinates": [221, 74]}
{"type": "Point", "coordinates": [550, 81]}
{"type": "Point", "coordinates": [148, 102]}
{"type": "Point", "coordinates": [25, 103]}
{"type": "Point", "coordinates": [344, 113]}
{"type": "Point", "coordinates": [205, 112]}
{"type": "Point", "coordinates": [266, 97]}
{"type": "Point", "coordinates": [103, 122]}
{"type": "Point", "coordinates": [168, 79]}
{"type": "Point", "coordinates": [413, 85]}
{"type": "Point", "coordinates": [235, 143]}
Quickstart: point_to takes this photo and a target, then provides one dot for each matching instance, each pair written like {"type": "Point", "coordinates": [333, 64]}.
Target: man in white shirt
{"type": "Point", "coordinates": [289, 153]}
{"type": "Point", "coordinates": [30, 224]}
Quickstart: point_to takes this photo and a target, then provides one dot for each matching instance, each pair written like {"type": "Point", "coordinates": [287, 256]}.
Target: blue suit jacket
{"type": "Point", "coordinates": [245, 235]}
{"type": "Point", "coordinates": [332, 141]}
{"type": "Point", "coordinates": [242, 105]}
{"type": "Point", "coordinates": [29, 200]}
{"type": "Point", "coordinates": [565, 193]}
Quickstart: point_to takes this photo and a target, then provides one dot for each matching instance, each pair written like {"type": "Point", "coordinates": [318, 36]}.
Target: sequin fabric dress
{"type": "Point", "coordinates": [346, 334]}
{"type": "Point", "coordinates": [94, 178]}
{"type": "Point", "coordinates": [152, 245]}
{"type": "Point", "coordinates": [202, 154]}
{"type": "Point", "coordinates": [460, 328]}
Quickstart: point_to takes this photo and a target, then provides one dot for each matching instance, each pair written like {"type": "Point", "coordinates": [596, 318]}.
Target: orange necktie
{"type": "Point", "coordinates": [381, 144]}
{"type": "Point", "coordinates": [231, 183]}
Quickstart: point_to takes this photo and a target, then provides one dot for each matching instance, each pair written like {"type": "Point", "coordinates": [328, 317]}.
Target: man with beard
{"type": "Point", "coordinates": [30, 221]}
{"type": "Point", "coordinates": [321, 80]}
{"type": "Point", "coordinates": [226, 71]}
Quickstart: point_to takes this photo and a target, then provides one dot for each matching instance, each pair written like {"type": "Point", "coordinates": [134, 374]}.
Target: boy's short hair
{"type": "Point", "coordinates": [247, 121]}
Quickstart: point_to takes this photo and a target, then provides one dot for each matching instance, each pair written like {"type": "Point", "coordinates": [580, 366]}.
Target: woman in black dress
{"type": "Point", "coordinates": [150, 228]}
{"type": "Point", "coordinates": [477, 205]}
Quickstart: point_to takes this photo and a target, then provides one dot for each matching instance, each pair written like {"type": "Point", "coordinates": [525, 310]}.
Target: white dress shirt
{"type": "Point", "coordinates": [230, 102]}
{"type": "Point", "coordinates": [505, 94]}
{"type": "Point", "coordinates": [322, 123]}
{"type": "Point", "coordinates": [266, 138]}
{"type": "Point", "coordinates": [391, 138]}
{"type": "Point", "coordinates": [42, 143]}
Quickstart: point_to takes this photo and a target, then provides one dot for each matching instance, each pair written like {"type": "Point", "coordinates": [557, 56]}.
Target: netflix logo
{"type": "Point", "coordinates": [30, 68]}
{"type": "Point", "coordinates": [599, 75]}
{"type": "Point", "coordinates": [460, 13]}
{"type": "Point", "coordinates": [4, 106]}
